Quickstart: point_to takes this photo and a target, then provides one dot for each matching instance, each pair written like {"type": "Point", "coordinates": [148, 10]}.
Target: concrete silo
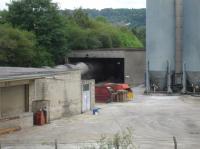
{"type": "Point", "coordinates": [161, 44]}
{"type": "Point", "coordinates": [191, 45]}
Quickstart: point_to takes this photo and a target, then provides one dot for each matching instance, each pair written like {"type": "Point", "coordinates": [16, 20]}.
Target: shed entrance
{"type": "Point", "coordinates": [103, 69]}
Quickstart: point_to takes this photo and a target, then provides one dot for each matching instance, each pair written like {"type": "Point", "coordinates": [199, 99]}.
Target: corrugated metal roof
{"type": "Point", "coordinates": [21, 73]}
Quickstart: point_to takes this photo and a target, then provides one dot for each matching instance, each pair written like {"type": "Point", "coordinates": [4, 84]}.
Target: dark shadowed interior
{"type": "Point", "coordinates": [103, 69]}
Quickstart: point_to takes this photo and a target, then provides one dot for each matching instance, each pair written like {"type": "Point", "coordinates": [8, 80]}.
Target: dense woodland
{"type": "Point", "coordinates": [36, 33]}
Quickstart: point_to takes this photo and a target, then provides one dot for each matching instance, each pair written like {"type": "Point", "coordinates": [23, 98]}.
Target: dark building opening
{"type": "Point", "coordinates": [103, 69]}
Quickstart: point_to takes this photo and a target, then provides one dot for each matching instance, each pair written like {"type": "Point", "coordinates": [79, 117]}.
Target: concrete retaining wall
{"type": "Point", "coordinates": [63, 92]}
{"type": "Point", "coordinates": [134, 67]}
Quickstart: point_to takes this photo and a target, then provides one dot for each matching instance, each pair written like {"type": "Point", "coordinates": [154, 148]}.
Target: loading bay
{"type": "Point", "coordinates": [155, 120]}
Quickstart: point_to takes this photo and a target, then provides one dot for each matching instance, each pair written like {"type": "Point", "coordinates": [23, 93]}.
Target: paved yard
{"type": "Point", "coordinates": [155, 120]}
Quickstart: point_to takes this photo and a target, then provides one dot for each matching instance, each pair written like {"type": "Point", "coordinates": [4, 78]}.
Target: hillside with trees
{"type": "Point", "coordinates": [124, 17]}
{"type": "Point", "coordinates": [87, 33]}
{"type": "Point", "coordinates": [134, 19]}
{"type": "Point", "coordinates": [36, 33]}
{"type": "Point", "coordinates": [129, 17]}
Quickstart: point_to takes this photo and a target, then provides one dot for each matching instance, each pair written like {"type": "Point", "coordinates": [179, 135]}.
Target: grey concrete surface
{"type": "Point", "coordinates": [134, 61]}
{"type": "Point", "coordinates": [155, 120]}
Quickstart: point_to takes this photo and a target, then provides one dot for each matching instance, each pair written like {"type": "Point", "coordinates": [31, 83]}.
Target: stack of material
{"type": "Point", "coordinates": [124, 87]}
{"type": "Point", "coordinates": [9, 130]}
{"type": "Point", "coordinates": [109, 92]}
{"type": "Point", "coordinates": [121, 96]}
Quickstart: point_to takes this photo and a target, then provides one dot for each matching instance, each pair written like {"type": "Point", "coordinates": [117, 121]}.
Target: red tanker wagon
{"type": "Point", "coordinates": [104, 94]}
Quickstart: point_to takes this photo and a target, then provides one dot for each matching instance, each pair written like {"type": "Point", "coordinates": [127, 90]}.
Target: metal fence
{"type": "Point", "coordinates": [172, 143]}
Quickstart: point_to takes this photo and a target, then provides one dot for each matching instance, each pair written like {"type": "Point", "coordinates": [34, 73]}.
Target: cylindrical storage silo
{"type": "Point", "coordinates": [191, 44]}
{"type": "Point", "coordinates": [161, 34]}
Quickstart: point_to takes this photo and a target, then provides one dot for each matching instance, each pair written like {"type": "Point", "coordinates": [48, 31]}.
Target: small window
{"type": "Point", "coordinates": [86, 87]}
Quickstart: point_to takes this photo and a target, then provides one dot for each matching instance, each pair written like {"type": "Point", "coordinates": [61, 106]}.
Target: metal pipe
{"type": "Point", "coordinates": [179, 30]}
{"type": "Point", "coordinates": [169, 90]}
{"type": "Point", "coordinates": [147, 91]}
{"type": "Point", "coordinates": [175, 142]}
{"type": "Point", "coordinates": [154, 88]}
{"type": "Point", "coordinates": [193, 88]}
{"type": "Point", "coordinates": [184, 90]}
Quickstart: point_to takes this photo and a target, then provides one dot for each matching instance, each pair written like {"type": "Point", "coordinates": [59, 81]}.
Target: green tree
{"type": "Point", "coordinates": [93, 40]}
{"type": "Point", "coordinates": [105, 39]}
{"type": "Point", "coordinates": [43, 18]}
{"type": "Point", "coordinates": [16, 47]}
{"type": "Point", "coordinates": [81, 18]}
{"type": "Point", "coordinates": [140, 32]}
{"type": "Point", "coordinates": [101, 19]}
{"type": "Point", "coordinates": [77, 37]}
{"type": "Point", "coordinates": [3, 15]}
{"type": "Point", "coordinates": [42, 58]}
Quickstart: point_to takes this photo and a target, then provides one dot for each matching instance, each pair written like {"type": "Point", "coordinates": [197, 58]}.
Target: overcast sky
{"type": "Point", "coordinates": [98, 4]}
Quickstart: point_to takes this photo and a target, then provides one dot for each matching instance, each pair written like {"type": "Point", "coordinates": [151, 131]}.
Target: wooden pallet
{"type": "Point", "coordinates": [8, 130]}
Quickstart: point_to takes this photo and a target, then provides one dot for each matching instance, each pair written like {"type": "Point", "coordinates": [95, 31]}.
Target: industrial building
{"type": "Point", "coordinates": [112, 65]}
{"type": "Point", "coordinates": [24, 91]}
{"type": "Point", "coordinates": [172, 58]}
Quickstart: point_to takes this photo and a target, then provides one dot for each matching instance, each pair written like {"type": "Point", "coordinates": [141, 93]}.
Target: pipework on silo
{"type": "Point", "coordinates": [173, 35]}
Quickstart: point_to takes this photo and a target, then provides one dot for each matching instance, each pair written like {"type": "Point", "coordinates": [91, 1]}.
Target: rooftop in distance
{"type": "Point", "coordinates": [115, 49]}
{"type": "Point", "coordinates": [18, 73]}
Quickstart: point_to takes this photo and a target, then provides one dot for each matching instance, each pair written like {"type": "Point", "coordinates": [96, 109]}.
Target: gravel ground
{"type": "Point", "coordinates": [155, 119]}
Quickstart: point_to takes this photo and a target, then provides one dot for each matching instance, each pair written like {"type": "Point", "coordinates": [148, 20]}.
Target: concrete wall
{"type": "Point", "coordinates": [134, 67]}
{"type": "Point", "coordinates": [63, 92]}
{"type": "Point", "coordinates": [98, 54]}
{"type": "Point", "coordinates": [134, 61]}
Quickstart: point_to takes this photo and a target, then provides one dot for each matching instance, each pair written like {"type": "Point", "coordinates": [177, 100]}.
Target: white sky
{"type": "Point", "coordinates": [98, 4]}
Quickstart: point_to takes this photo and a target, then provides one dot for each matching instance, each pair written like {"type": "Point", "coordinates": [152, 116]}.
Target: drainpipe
{"type": "Point", "coordinates": [183, 91]}
{"type": "Point", "coordinates": [169, 90]}
{"type": "Point", "coordinates": [147, 91]}
{"type": "Point", "coordinates": [194, 89]}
